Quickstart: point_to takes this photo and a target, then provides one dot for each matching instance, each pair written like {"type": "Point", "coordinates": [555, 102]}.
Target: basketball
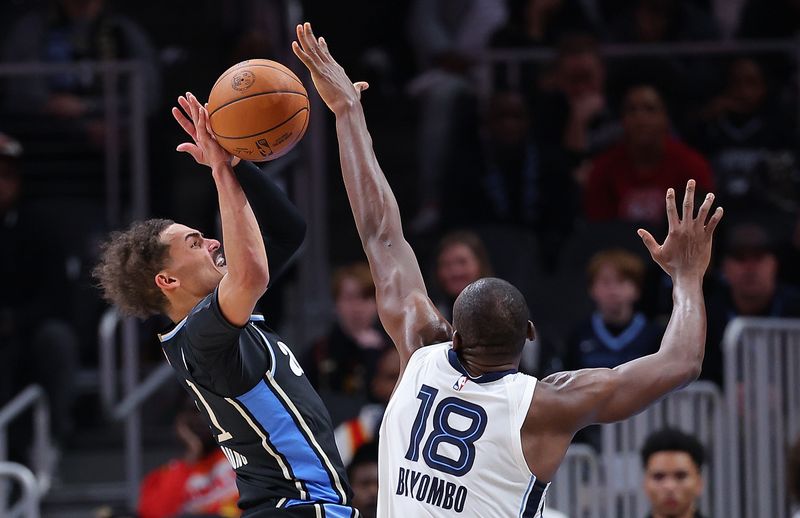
{"type": "Point", "coordinates": [258, 110]}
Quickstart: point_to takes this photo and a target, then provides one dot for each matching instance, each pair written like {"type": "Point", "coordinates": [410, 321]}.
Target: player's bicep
{"type": "Point", "coordinates": [404, 308]}
{"type": "Point", "coordinates": [237, 299]}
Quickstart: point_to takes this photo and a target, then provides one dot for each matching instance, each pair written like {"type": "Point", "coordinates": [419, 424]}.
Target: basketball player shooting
{"type": "Point", "coordinates": [263, 412]}
{"type": "Point", "coordinates": [464, 432]}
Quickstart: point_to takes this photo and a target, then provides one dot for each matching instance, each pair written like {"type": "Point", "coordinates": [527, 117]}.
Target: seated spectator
{"type": "Point", "coordinates": [342, 361]}
{"type": "Point", "coordinates": [363, 428]}
{"type": "Point", "coordinates": [503, 170]}
{"type": "Point", "coordinates": [37, 342]}
{"type": "Point", "coordinates": [202, 482]}
{"type": "Point", "coordinates": [749, 138]}
{"type": "Point", "coordinates": [461, 258]}
{"type": "Point", "coordinates": [628, 181]}
{"type": "Point", "coordinates": [447, 37]}
{"type": "Point", "coordinates": [690, 78]}
{"type": "Point", "coordinates": [363, 474]}
{"type": "Point", "coordinates": [579, 118]}
{"type": "Point", "coordinates": [749, 287]}
{"type": "Point", "coordinates": [615, 333]}
{"type": "Point", "coordinates": [71, 31]}
{"type": "Point", "coordinates": [673, 479]}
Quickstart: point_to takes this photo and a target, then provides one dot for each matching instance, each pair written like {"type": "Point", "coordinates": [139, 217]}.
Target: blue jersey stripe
{"type": "Point", "coordinates": [287, 438]}
{"type": "Point", "coordinates": [330, 510]}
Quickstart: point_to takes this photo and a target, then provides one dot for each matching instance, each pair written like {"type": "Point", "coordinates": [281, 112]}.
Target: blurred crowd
{"type": "Point", "coordinates": [536, 166]}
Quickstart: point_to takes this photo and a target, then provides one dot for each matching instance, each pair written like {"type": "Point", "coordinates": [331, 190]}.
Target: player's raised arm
{"type": "Point", "coordinates": [607, 395]}
{"type": "Point", "coordinates": [247, 274]}
{"type": "Point", "coordinates": [405, 310]}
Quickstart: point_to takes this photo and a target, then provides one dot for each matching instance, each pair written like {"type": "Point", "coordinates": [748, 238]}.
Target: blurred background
{"type": "Point", "coordinates": [525, 139]}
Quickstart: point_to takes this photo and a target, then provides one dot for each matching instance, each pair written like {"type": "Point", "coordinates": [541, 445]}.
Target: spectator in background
{"type": "Point", "coordinates": [662, 22]}
{"type": "Point", "coordinates": [748, 136]}
{"type": "Point", "coordinates": [628, 181]}
{"type": "Point", "coordinates": [447, 37]}
{"type": "Point", "coordinates": [72, 31]}
{"type": "Point", "coordinates": [202, 482]}
{"type": "Point", "coordinates": [363, 428]}
{"type": "Point", "coordinates": [673, 480]}
{"type": "Point", "coordinates": [37, 344]}
{"type": "Point", "coordinates": [749, 287]}
{"type": "Point", "coordinates": [342, 361]}
{"type": "Point", "coordinates": [363, 474]}
{"type": "Point", "coordinates": [461, 258]}
{"type": "Point", "coordinates": [615, 333]}
{"type": "Point", "coordinates": [577, 110]}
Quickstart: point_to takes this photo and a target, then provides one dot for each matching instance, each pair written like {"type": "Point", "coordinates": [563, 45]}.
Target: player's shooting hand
{"type": "Point", "coordinates": [204, 148]}
{"type": "Point", "coordinates": [329, 77]}
{"type": "Point", "coordinates": [687, 249]}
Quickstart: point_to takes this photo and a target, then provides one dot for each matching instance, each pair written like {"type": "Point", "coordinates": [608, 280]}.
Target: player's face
{"type": "Point", "coordinates": [457, 267]}
{"type": "Point", "coordinates": [364, 482]}
{"type": "Point", "coordinates": [197, 262]}
{"type": "Point", "coordinates": [355, 309]}
{"type": "Point", "coordinates": [673, 484]}
{"type": "Point", "coordinates": [613, 293]}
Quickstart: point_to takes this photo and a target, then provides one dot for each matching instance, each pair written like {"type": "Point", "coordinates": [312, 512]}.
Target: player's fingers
{"type": "Point", "coordinates": [185, 123]}
{"type": "Point", "coordinates": [202, 124]}
{"type": "Point", "coordinates": [714, 220]}
{"type": "Point", "coordinates": [192, 150]}
{"type": "Point", "coordinates": [208, 122]}
{"type": "Point", "coordinates": [649, 241]}
{"type": "Point", "coordinates": [185, 105]}
{"type": "Point", "coordinates": [192, 108]}
{"type": "Point", "coordinates": [672, 209]}
{"type": "Point", "coordinates": [301, 55]}
{"type": "Point", "coordinates": [361, 85]}
{"type": "Point", "coordinates": [702, 213]}
{"type": "Point", "coordinates": [308, 43]}
{"type": "Point", "coordinates": [688, 201]}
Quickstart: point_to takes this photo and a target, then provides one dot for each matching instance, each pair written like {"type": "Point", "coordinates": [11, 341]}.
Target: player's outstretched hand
{"type": "Point", "coordinates": [329, 77]}
{"type": "Point", "coordinates": [687, 249]}
{"type": "Point", "coordinates": [204, 148]}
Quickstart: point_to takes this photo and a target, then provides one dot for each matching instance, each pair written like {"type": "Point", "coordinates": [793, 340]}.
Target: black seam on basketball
{"type": "Point", "coordinates": [266, 130]}
{"type": "Point", "coordinates": [226, 74]}
{"type": "Point", "coordinates": [302, 131]}
{"type": "Point", "coordinates": [218, 108]}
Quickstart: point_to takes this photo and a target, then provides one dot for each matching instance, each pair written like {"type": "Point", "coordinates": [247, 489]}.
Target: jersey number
{"type": "Point", "coordinates": [463, 439]}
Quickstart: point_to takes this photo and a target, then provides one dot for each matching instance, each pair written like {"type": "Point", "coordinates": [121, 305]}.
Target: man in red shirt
{"type": "Point", "coordinates": [628, 181]}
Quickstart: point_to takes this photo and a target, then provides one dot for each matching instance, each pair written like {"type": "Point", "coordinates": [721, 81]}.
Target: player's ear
{"type": "Point", "coordinates": [531, 331]}
{"type": "Point", "coordinates": [457, 343]}
{"type": "Point", "coordinates": [166, 282]}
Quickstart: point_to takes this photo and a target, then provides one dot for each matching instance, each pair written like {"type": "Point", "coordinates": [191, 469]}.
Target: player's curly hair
{"type": "Point", "coordinates": [128, 265]}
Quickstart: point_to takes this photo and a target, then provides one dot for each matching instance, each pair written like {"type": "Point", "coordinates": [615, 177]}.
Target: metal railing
{"type": "Point", "coordinates": [762, 369]}
{"type": "Point", "coordinates": [33, 397]}
{"type": "Point", "coordinates": [28, 505]}
{"type": "Point", "coordinates": [575, 490]}
{"type": "Point", "coordinates": [697, 409]}
{"type": "Point", "coordinates": [110, 72]}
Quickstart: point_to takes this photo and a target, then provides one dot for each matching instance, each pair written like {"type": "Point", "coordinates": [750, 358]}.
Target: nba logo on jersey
{"type": "Point", "coordinates": [460, 382]}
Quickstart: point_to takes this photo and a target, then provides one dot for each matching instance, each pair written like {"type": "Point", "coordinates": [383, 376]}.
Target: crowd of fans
{"type": "Point", "coordinates": [535, 171]}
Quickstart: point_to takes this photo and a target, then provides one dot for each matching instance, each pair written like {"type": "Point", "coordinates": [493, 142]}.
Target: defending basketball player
{"type": "Point", "coordinates": [465, 432]}
{"type": "Point", "coordinates": [263, 412]}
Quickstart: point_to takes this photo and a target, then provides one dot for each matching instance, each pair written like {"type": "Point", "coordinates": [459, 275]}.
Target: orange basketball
{"type": "Point", "coordinates": [258, 110]}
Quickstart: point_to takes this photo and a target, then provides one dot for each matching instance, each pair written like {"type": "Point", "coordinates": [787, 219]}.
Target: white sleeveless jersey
{"type": "Point", "coordinates": [450, 444]}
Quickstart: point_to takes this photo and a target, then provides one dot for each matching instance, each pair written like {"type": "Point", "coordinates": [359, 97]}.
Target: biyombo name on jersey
{"type": "Point", "coordinates": [431, 490]}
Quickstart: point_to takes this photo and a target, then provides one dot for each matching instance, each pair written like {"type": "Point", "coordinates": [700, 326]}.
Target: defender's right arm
{"type": "Point", "coordinates": [406, 312]}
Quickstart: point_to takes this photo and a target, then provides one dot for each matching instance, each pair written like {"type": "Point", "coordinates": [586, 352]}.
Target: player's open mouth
{"type": "Point", "coordinates": [219, 259]}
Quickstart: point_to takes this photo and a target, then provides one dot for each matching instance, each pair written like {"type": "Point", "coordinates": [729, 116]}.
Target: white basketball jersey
{"type": "Point", "coordinates": [450, 444]}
